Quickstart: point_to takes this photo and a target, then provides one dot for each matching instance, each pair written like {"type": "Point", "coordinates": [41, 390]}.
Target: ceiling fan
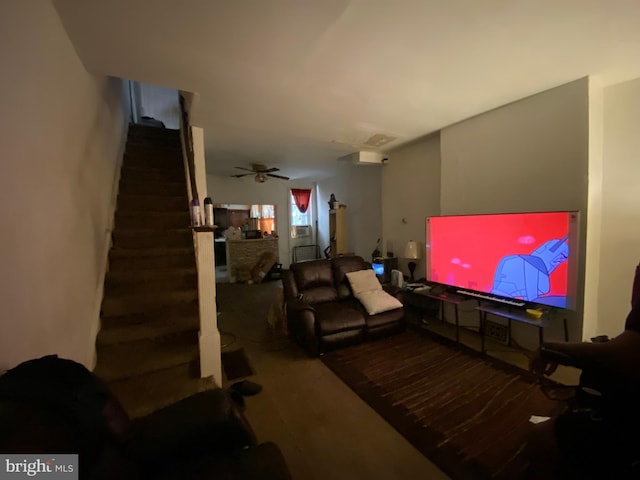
{"type": "Point", "coordinates": [261, 172]}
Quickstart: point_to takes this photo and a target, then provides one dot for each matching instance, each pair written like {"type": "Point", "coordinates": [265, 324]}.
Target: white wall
{"type": "Point", "coordinates": [359, 188]}
{"type": "Point", "coordinates": [410, 193]}
{"type": "Point", "coordinates": [61, 134]}
{"type": "Point", "coordinates": [245, 191]}
{"type": "Point", "coordinates": [526, 156]}
{"type": "Point", "coordinates": [161, 103]}
{"type": "Point", "coordinates": [620, 244]}
{"type": "Point", "coordinates": [590, 317]}
{"type": "Point", "coordinates": [530, 155]}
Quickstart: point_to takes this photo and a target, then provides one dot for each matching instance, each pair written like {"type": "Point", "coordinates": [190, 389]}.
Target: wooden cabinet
{"type": "Point", "coordinates": [221, 219]}
{"type": "Point", "coordinates": [338, 230]}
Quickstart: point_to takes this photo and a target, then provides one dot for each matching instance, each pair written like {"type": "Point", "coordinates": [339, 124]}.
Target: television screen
{"type": "Point", "coordinates": [531, 257]}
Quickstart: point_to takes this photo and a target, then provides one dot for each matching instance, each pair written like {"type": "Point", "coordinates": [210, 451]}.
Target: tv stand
{"type": "Point", "coordinates": [440, 294]}
{"type": "Point", "coordinates": [515, 315]}
{"type": "Point", "coordinates": [437, 290]}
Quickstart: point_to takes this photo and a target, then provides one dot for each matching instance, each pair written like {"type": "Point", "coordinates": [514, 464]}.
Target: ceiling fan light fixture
{"type": "Point", "coordinates": [261, 173]}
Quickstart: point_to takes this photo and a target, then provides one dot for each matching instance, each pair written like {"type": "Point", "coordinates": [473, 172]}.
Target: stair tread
{"type": "Point", "coordinates": [172, 182]}
{"type": "Point", "coordinates": [123, 213]}
{"type": "Point", "coordinates": [120, 282]}
{"type": "Point", "coordinates": [134, 195]}
{"type": "Point", "coordinates": [159, 263]}
{"type": "Point", "coordinates": [172, 230]}
{"type": "Point", "coordinates": [126, 221]}
{"type": "Point", "coordinates": [158, 214]}
{"type": "Point", "coordinates": [139, 127]}
{"type": "Point", "coordinates": [141, 395]}
{"type": "Point", "coordinates": [153, 272]}
{"type": "Point", "coordinates": [117, 334]}
{"type": "Point", "coordinates": [122, 304]}
{"type": "Point", "coordinates": [150, 252]}
{"type": "Point", "coordinates": [188, 294]}
{"type": "Point", "coordinates": [122, 361]}
{"type": "Point", "coordinates": [149, 202]}
{"type": "Point", "coordinates": [181, 309]}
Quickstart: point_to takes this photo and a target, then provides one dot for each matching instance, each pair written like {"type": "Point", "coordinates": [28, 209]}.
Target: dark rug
{"type": "Point", "coordinates": [236, 364]}
{"type": "Point", "coordinates": [467, 413]}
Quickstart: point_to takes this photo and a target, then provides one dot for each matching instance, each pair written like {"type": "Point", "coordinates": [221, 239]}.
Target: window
{"type": "Point", "coordinates": [263, 217]}
{"type": "Point", "coordinates": [297, 217]}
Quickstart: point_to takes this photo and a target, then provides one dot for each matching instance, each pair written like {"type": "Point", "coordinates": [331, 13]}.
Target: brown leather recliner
{"type": "Point", "coordinates": [322, 312]}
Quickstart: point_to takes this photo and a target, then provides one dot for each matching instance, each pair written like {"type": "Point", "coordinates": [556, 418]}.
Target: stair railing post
{"type": "Point", "coordinates": [195, 171]}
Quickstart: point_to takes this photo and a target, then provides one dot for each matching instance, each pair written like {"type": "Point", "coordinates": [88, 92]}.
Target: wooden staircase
{"type": "Point", "coordinates": [147, 347]}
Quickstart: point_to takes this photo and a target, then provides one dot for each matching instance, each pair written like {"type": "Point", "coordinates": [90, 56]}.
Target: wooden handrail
{"type": "Point", "coordinates": [188, 140]}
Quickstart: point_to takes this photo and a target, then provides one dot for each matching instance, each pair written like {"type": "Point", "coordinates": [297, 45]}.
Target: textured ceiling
{"type": "Point", "coordinates": [299, 83]}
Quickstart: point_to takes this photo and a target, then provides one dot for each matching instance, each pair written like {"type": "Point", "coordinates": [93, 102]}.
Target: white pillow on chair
{"type": "Point", "coordinates": [367, 289]}
{"type": "Point", "coordinates": [363, 281]}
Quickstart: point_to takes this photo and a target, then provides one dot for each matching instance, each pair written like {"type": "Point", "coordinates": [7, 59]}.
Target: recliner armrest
{"type": "Point", "coordinates": [299, 306]}
{"type": "Point", "coordinates": [394, 291]}
{"type": "Point", "coordinates": [560, 358]}
{"type": "Point", "coordinates": [290, 288]}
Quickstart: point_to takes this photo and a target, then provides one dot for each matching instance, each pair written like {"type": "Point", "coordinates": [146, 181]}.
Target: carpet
{"type": "Point", "coordinates": [467, 413]}
{"type": "Point", "coordinates": [236, 364]}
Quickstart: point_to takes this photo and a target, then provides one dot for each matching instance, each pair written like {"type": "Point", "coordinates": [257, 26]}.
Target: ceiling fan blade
{"type": "Point", "coordinates": [241, 175]}
{"type": "Point", "coordinates": [277, 176]}
{"type": "Point", "coordinates": [247, 169]}
{"type": "Point", "coordinates": [268, 170]}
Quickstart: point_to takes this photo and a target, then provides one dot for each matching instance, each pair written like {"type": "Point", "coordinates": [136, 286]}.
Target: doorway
{"type": "Point", "coordinates": [239, 222]}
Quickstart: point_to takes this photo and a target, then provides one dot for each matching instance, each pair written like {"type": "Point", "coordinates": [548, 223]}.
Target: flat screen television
{"type": "Point", "coordinates": [518, 258]}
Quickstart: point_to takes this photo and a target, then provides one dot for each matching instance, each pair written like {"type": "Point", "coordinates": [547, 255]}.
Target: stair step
{"type": "Point", "coordinates": [150, 330]}
{"type": "Point", "coordinates": [137, 173]}
{"type": "Point", "coordinates": [144, 394]}
{"type": "Point", "coordinates": [164, 155]}
{"type": "Point", "coordinates": [151, 220]}
{"type": "Point", "coordinates": [174, 238]}
{"type": "Point", "coordinates": [158, 313]}
{"type": "Point", "coordinates": [173, 144]}
{"type": "Point", "coordinates": [150, 252]}
{"type": "Point", "coordinates": [169, 189]}
{"type": "Point", "coordinates": [134, 139]}
{"type": "Point", "coordinates": [126, 260]}
{"type": "Point", "coordinates": [130, 282]}
{"type": "Point", "coordinates": [152, 203]}
{"type": "Point", "coordinates": [168, 145]}
{"type": "Point", "coordinates": [113, 306]}
{"type": "Point", "coordinates": [154, 160]}
{"type": "Point", "coordinates": [146, 131]}
{"type": "Point", "coordinates": [117, 362]}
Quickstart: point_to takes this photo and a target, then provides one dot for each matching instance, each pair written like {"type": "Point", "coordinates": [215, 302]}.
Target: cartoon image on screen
{"type": "Point", "coordinates": [528, 276]}
{"type": "Point", "coordinates": [524, 256]}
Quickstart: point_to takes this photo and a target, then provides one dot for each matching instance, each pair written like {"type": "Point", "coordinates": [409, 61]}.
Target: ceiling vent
{"type": "Point", "coordinates": [373, 142]}
{"type": "Point", "coordinates": [378, 140]}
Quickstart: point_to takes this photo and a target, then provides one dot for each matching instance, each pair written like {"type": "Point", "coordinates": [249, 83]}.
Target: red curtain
{"type": "Point", "coordinates": [301, 196]}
